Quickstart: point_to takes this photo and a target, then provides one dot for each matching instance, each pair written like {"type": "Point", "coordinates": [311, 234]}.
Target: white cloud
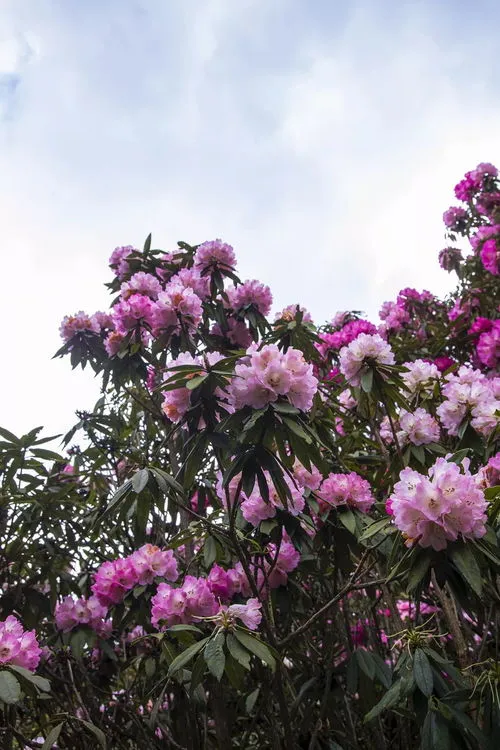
{"type": "Point", "coordinates": [324, 149]}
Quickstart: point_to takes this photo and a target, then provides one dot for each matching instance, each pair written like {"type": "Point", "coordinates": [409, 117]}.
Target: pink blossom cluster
{"type": "Point", "coordinates": [394, 316]}
{"type": "Point", "coordinates": [436, 509]}
{"type": "Point", "coordinates": [250, 293]}
{"type": "Point", "coordinates": [118, 260]}
{"type": "Point", "coordinates": [473, 181]}
{"type": "Point", "coordinates": [214, 255]}
{"type": "Point", "coordinates": [72, 612]}
{"type": "Point", "coordinates": [128, 314]}
{"type": "Point", "coordinates": [176, 304]}
{"type": "Point", "coordinates": [177, 401]}
{"type": "Point", "coordinates": [141, 283]}
{"type": "Point", "coordinates": [455, 218]}
{"type": "Point", "coordinates": [184, 604]}
{"type": "Point", "coordinates": [345, 489]}
{"type": "Point", "coordinates": [417, 427]}
{"type": "Point", "coordinates": [115, 577]}
{"type": "Point", "coordinates": [348, 333]}
{"type": "Point", "coordinates": [488, 346]}
{"type": "Point", "coordinates": [420, 376]}
{"type": "Point", "coordinates": [249, 613]}
{"type": "Point", "coordinates": [450, 258]}
{"type": "Point", "coordinates": [78, 323]}
{"type": "Point", "coordinates": [407, 612]}
{"type": "Point", "coordinates": [489, 475]}
{"type": "Point", "coordinates": [190, 277]}
{"type": "Point", "coordinates": [408, 296]}
{"type": "Point", "coordinates": [486, 242]}
{"type": "Point", "coordinates": [366, 350]}
{"type": "Point", "coordinates": [469, 393]}
{"type": "Point", "coordinates": [266, 374]}
{"type": "Point", "coordinates": [290, 311]}
{"type": "Point", "coordinates": [18, 646]}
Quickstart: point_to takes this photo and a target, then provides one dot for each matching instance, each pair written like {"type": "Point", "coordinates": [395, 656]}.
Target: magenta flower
{"type": "Point", "coordinates": [251, 293]}
{"type": "Point", "coordinates": [346, 489]}
{"type": "Point", "coordinates": [249, 613]}
{"type": "Point", "coordinates": [363, 351]}
{"type": "Point", "coordinates": [78, 323]}
{"type": "Point", "coordinates": [214, 255]}
{"type": "Point", "coordinates": [17, 646]}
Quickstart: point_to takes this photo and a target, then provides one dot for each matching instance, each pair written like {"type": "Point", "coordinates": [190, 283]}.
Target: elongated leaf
{"type": "Point", "coordinates": [98, 733]}
{"type": "Point", "coordinates": [140, 480]}
{"type": "Point", "coordinates": [366, 663]}
{"type": "Point", "coordinates": [10, 689]}
{"type": "Point", "coordinates": [422, 672]}
{"type": "Point", "coordinates": [237, 651]}
{"type": "Point", "coordinates": [466, 564]}
{"type": "Point", "coordinates": [180, 661]}
{"type": "Point", "coordinates": [374, 528]}
{"type": "Point", "coordinates": [390, 699]}
{"type": "Point", "coordinates": [214, 655]}
{"type": "Point", "coordinates": [52, 737]}
{"type": "Point", "coordinates": [348, 519]}
{"type": "Point", "coordinates": [257, 647]}
{"type": "Point", "coordinates": [40, 682]}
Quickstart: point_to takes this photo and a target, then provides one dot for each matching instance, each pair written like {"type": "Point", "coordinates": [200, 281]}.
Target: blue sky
{"type": "Point", "coordinates": [322, 139]}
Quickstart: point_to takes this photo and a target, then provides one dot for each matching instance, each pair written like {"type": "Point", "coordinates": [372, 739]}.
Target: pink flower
{"type": "Point", "coordinates": [455, 218]}
{"type": "Point", "coordinates": [190, 277]}
{"type": "Point", "coordinates": [290, 311]}
{"type": "Point", "coordinates": [266, 374]}
{"type": "Point", "coordinates": [102, 321]}
{"type": "Point", "coordinates": [249, 613]}
{"type": "Point", "coordinates": [18, 646]}
{"type": "Point", "coordinates": [365, 350]}
{"type": "Point", "coordinates": [214, 255]}
{"type": "Point", "coordinates": [141, 283]}
{"type": "Point", "coordinates": [436, 509]}
{"type": "Point", "coordinates": [79, 323]}
{"type": "Point", "coordinates": [192, 601]}
{"type": "Point", "coordinates": [220, 582]}
{"type": "Point", "coordinates": [490, 256]}
{"type": "Point", "coordinates": [419, 427]}
{"type": "Point", "coordinates": [177, 303]}
{"type": "Point", "coordinates": [251, 293]}
{"type": "Point", "coordinates": [346, 489]}
{"type": "Point", "coordinates": [112, 581]}
{"type": "Point", "coordinates": [118, 260]}
{"type": "Point", "coordinates": [150, 562]}
{"type": "Point", "coordinates": [394, 315]}
{"type": "Point", "coordinates": [450, 258]}
{"type": "Point", "coordinates": [421, 375]}
{"type": "Point", "coordinates": [128, 314]}
{"type": "Point", "coordinates": [286, 562]}
{"type": "Point", "coordinates": [488, 346]}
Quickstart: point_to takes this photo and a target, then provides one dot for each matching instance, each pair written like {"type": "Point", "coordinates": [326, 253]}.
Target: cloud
{"type": "Point", "coordinates": [322, 143]}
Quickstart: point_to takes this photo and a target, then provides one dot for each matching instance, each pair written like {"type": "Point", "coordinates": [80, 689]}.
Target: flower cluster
{"type": "Point", "coordinates": [266, 374]}
{"type": "Point", "coordinates": [470, 394]}
{"type": "Point", "coordinates": [18, 646]}
{"type": "Point", "coordinates": [184, 604]}
{"type": "Point", "coordinates": [420, 375]}
{"type": "Point", "coordinates": [78, 323]}
{"type": "Point", "coordinates": [418, 427]}
{"type": "Point", "coordinates": [214, 255]}
{"type": "Point", "coordinates": [177, 401]}
{"type": "Point", "coordinates": [115, 577]}
{"type": "Point", "coordinates": [72, 612]}
{"type": "Point", "coordinates": [436, 509]}
{"type": "Point", "coordinates": [348, 333]}
{"type": "Point", "coordinates": [250, 293]}
{"type": "Point", "coordinates": [249, 613]}
{"type": "Point", "coordinates": [365, 350]}
{"type": "Point", "coordinates": [346, 489]}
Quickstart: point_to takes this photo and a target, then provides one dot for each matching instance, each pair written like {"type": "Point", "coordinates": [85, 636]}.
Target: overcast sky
{"type": "Point", "coordinates": [322, 139]}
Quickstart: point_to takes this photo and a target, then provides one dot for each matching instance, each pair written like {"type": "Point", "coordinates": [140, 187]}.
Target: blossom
{"type": "Point", "coordinates": [18, 646]}
{"type": "Point", "coordinates": [118, 259]}
{"type": "Point", "coordinates": [191, 601]}
{"type": "Point", "coordinates": [71, 612]}
{"type": "Point", "coordinates": [346, 489]}
{"type": "Point", "coordinates": [141, 283]}
{"type": "Point", "coordinates": [488, 346]}
{"type": "Point", "coordinates": [221, 582]}
{"type": "Point", "coordinates": [177, 401]}
{"type": "Point", "coordinates": [468, 392]}
{"type": "Point", "coordinates": [190, 277]}
{"type": "Point", "coordinates": [450, 258]}
{"type": "Point", "coordinates": [365, 350]}
{"type": "Point", "coordinates": [490, 257]}
{"type": "Point", "coordinates": [177, 303]}
{"type": "Point", "coordinates": [435, 509]}
{"type": "Point", "coordinates": [249, 613]}
{"type": "Point", "coordinates": [419, 427]}
{"type": "Point", "coordinates": [266, 374]}
{"type": "Point", "coordinates": [251, 293]}
{"type": "Point", "coordinates": [394, 316]}
{"type": "Point", "coordinates": [455, 218]}
{"type": "Point", "coordinates": [214, 255]}
{"type": "Point", "coordinates": [102, 321]}
{"type": "Point", "coordinates": [285, 560]}
{"type": "Point", "coordinates": [78, 323]}
{"type": "Point", "coordinates": [420, 375]}
{"type": "Point", "coordinates": [150, 562]}
{"type": "Point", "coordinates": [290, 311]}
{"type": "Point", "coordinates": [136, 310]}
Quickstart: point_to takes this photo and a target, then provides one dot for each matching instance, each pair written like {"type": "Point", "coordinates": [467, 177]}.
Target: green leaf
{"type": "Point", "coordinates": [237, 651]}
{"type": "Point", "coordinates": [10, 689]}
{"type": "Point", "coordinates": [209, 551]}
{"type": "Point", "coordinates": [195, 382]}
{"type": "Point", "coordinates": [390, 699]}
{"type": "Point", "coordinates": [140, 480]}
{"type": "Point", "coordinates": [366, 663]}
{"type": "Point", "coordinates": [251, 700]}
{"type": "Point", "coordinates": [419, 568]}
{"type": "Point", "coordinates": [257, 647]}
{"type": "Point", "coordinates": [98, 733]}
{"type": "Point", "coordinates": [34, 679]}
{"type": "Point", "coordinates": [52, 737]}
{"type": "Point", "coordinates": [181, 628]}
{"type": "Point", "coordinates": [464, 560]}
{"type": "Point", "coordinates": [185, 657]}
{"type": "Point", "coordinates": [374, 528]}
{"type": "Point", "coordinates": [459, 456]}
{"type": "Point", "coordinates": [422, 672]}
{"type": "Point", "coordinates": [348, 519]}
{"type": "Point", "coordinates": [419, 453]}
{"type": "Point", "coordinates": [214, 655]}
{"type": "Point", "coordinates": [9, 436]}
{"type": "Point", "coordinates": [367, 380]}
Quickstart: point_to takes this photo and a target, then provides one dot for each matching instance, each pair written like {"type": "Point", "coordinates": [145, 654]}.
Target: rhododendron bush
{"type": "Point", "coordinates": [268, 533]}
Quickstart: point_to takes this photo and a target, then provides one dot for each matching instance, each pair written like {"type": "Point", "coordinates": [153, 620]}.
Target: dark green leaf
{"type": "Point", "coordinates": [52, 737]}
{"type": "Point", "coordinates": [422, 672]}
{"type": "Point", "coordinates": [257, 647]}
{"type": "Point", "coordinates": [185, 657]}
{"type": "Point", "coordinates": [10, 689]}
{"type": "Point", "coordinates": [464, 560]}
{"type": "Point", "coordinates": [140, 480]}
{"type": "Point", "coordinates": [214, 655]}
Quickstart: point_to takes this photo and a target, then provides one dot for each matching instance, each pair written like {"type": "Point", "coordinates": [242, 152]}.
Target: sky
{"type": "Point", "coordinates": [321, 139]}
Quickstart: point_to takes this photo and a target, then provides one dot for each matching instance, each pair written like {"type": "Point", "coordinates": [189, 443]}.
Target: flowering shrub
{"type": "Point", "coordinates": [272, 533]}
